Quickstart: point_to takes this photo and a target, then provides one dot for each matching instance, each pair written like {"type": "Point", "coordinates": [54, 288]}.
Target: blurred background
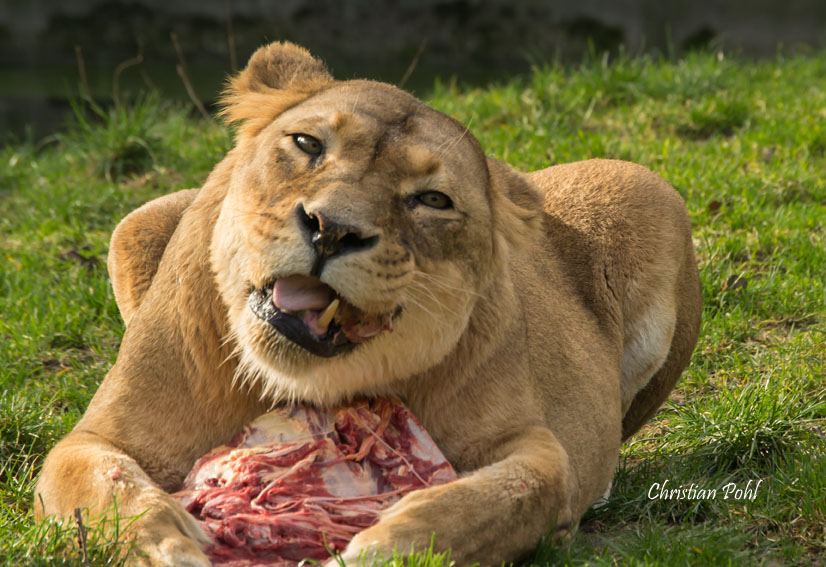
{"type": "Point", "coordinates": [52, 52]}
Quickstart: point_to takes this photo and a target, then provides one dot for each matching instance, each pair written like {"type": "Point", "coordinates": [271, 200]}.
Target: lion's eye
{"type": "Point", "coordinates": [307, 144]}
{"type": "Point", "coordinates": [435, 200]}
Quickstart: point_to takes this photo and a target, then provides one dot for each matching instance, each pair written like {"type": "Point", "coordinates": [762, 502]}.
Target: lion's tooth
{"type": "Point", "coordinates": [327, 315]}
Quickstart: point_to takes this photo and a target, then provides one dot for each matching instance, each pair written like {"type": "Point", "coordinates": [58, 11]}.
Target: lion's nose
{"type": "Point", "coordinates": [330, 238]}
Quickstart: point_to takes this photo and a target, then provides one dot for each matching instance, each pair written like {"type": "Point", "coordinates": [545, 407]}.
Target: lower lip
{"type": "Point", "coordinates": [292, 328]}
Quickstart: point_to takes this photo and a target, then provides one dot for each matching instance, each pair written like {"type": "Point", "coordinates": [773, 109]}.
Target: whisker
{"type": "Point", "coordinates": [230, 336]}
{"type": "Point", "coordinates": [433, 299]}
{"type": "Point", "coordinates": [420, 286]}
{"type": "Point", "coordinates": [355, 102]}
{"type": "Point", "coordinates": [441, 283]}
{"type": "Point", "coordinates": [412, 301]}
{"type": "Point", "coordinates": [238, 213]}
{"type": "Point", "coordinates": [452, 143]}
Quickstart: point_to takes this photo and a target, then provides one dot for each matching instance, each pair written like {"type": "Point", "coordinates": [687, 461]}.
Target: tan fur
{"type": "Point", "coordinates": [138, 243]}
{"type": "Point", "coordinates": [545, 317]}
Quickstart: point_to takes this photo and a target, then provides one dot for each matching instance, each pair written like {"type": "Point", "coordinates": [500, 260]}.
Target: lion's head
{"type": "Point", "coordinates": [359, 230]}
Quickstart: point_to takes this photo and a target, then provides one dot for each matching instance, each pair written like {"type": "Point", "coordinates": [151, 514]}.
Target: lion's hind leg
{"type": "Point", "coordinates": [686, 328]}
{"type": "Point", "coordinates": [646, 344]}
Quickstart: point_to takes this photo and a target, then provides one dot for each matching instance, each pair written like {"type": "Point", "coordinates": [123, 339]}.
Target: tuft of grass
{"type": "Point", "coordinates": [118, 141]}
{"type": "Point", "coordinates": [25, 430]}
{"type": "Point", "coordinates": [750, 425]}
{"type": "Point", "coordinates": [58, 543]}
{"type": "Point", "coordinates": [717, 115]}
{"type": "Point", "coordinates": [643, 545]}
{"type": "Point", "coordinates": [744, 142]}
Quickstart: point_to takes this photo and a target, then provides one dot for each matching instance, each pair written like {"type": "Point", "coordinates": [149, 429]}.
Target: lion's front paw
{"type": "Point", "coordinates": [404, 529]}
{"type": "Point", "coordinates": [366, 548]}
{"type": "Point", "coordinates": [174, 550]}
{"type": "Point", "coordinates": [167, 536]}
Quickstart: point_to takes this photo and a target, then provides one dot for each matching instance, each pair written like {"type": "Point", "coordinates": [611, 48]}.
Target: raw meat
{"type": "Point", "coordinates": [300, 481]}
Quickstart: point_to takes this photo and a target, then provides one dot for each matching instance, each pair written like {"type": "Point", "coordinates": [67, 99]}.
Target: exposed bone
{"type": "Point", "coordinates": [327, 315]}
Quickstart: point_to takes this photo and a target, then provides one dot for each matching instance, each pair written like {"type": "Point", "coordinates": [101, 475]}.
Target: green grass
{"type": "Point", "coordinates": [743, 142]}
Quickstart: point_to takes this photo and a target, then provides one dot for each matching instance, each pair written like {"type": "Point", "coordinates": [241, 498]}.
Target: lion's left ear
{"type": "Point", "coordinates": [277, 77]}
{"type": "Point", "coordinates": [517, 205]}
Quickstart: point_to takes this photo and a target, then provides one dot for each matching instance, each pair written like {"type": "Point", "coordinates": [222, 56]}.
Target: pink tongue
{"type": "Point", "coordinates": [297, 293]}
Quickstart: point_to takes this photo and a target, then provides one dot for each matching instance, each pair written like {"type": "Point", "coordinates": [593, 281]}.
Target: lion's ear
{"type": "Point", "coordinates": [277, 77]}
{"type": "Point", "coordinates": [517, 205]}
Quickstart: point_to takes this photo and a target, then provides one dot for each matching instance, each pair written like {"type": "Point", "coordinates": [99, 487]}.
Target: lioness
{"type": "Point", "coordinates": [356, 242]}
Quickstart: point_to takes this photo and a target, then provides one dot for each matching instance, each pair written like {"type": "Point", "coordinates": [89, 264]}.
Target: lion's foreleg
{"type": "Point", "coordinates": [494, 514]}
{"type": "Point", "coordinates": [86, 471]}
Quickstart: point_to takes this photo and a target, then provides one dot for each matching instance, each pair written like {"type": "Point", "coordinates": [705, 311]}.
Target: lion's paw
{"type": "Point", "coordinates": [167, 536]}
{"type": "Point", "coordinates": [380, 541]}
{"type": "Point", "coordinates": [175, 550]}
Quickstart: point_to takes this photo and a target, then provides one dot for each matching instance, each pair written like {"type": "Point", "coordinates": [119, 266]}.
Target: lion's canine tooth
{"type": "Point", "coordinates": [327, 315]}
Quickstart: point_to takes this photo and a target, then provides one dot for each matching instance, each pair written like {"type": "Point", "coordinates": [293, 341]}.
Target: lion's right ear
{"type": "Point", "coordinates": [517, 205]}
{"type": "Point", "coordinates": [277, 77]}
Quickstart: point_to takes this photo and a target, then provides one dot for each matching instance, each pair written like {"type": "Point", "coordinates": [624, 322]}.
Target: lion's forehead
{"type": "Point", "coordinates": [369, 120]}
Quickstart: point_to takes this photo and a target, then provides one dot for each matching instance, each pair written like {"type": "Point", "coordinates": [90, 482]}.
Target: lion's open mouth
{"type": "Point", "coordinates": [314, 316]}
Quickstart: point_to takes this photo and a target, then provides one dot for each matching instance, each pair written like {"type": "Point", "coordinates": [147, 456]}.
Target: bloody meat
{"type": "Point", "coordinates": [299, 482]}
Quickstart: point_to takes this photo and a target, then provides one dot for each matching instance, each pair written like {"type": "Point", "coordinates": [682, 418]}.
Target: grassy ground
{"type": "Point", "coordinates": [744, 143]}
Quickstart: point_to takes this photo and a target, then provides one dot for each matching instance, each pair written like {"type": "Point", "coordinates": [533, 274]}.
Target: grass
{"type": "Point", "coordinates": [743, 142]}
